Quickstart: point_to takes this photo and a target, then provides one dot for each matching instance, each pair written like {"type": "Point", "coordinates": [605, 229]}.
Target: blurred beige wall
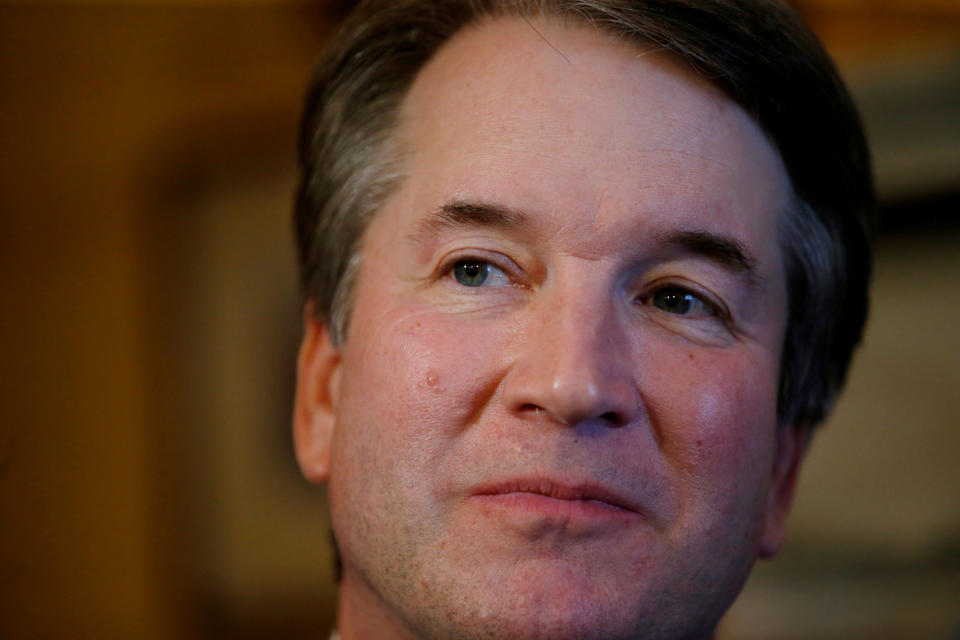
{"type": "Point", "coordinates": [146, 487]}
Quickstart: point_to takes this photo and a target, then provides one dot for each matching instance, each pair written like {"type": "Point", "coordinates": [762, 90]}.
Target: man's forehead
{"type": "Point", "coordinates": [502, 115]}
{"type": "Point", "coordinates": [489, 67]}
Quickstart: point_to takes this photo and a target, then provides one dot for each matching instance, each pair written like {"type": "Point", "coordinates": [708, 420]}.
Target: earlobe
{"type": "Point", "coordinates": [318, 373]}
{"type": "Point", "coordinates": [791, 448]}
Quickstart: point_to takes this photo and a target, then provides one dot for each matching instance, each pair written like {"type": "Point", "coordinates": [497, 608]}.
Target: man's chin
{"type": "Point", "coordinates": [541, 598]}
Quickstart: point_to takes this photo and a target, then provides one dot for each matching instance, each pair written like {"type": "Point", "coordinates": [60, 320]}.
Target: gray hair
{"type": "Point", "coordinates": [758, 51]}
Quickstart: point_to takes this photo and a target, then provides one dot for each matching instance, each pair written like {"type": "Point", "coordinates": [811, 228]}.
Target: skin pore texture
{"type": "Point", "coordinates": [554, 415]}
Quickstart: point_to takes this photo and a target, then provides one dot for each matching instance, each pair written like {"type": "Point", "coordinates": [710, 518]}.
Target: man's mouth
{"type": "Point", "coordinates": [551, 498]}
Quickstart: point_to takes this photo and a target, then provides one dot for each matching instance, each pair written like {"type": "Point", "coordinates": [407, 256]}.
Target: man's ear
{"type": "Point", "coordinates": [318, 377]}
{"type": "Point", "coordinates": [791, 448]}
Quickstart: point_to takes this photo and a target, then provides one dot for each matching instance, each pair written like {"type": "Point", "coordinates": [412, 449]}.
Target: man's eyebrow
{"type": "Point", "coordinates": [462, 214]}
{"type": "Point", "coordinates": [724, 250]}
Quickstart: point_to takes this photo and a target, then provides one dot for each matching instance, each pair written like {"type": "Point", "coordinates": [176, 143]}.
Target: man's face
{"type": "Point", "coordinates": [555, 412]}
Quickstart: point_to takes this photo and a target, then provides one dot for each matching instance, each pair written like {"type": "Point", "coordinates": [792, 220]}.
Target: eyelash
{"type": "Point", "coordinates": [715, 307]}
{"type": "Point", "coordinates": [447, 267]}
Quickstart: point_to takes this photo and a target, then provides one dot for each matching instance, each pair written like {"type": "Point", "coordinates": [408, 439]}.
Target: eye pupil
{"type": "Point", "coordinates": [673, 300]}
{"type": "Point", "coordinates": [471, 273]}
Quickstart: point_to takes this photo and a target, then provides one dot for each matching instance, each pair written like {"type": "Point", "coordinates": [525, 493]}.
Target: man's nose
{"type": "Point", "coordinates": [575, 364]}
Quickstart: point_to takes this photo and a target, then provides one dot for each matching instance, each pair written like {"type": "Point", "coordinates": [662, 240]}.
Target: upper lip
{"type": "Point", "coordinates": [559, 490]}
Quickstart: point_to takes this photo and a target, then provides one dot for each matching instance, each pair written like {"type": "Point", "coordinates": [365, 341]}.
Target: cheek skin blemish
{"type": "Point", "coordinates": [433, 378]}
{"type": "Point", "coordinates": [691, 356]}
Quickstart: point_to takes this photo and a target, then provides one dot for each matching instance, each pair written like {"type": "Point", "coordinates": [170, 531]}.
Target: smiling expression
{"type": "Point", "coordinates": [554, 414]}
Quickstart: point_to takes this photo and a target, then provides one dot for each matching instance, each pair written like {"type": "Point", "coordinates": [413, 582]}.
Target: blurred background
{"type": "Point", "coordinates": [149, 324]}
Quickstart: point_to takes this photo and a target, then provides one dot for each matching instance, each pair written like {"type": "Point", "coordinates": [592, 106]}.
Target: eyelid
{"type": "Point", "coordinates": [493, 258]}
{"type": "Point", "coordinates": [711, 300]}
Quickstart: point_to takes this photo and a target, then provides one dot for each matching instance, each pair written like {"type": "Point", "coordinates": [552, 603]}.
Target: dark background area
{"type": "Point", "coordinates": [149, 321]}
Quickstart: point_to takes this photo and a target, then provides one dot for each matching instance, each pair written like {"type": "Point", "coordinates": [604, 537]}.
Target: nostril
{"type": "Point", "coordinates": [611, 417]}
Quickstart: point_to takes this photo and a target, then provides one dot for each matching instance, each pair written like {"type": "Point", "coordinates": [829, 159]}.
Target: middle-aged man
{"type": "Point", "coordinates": [580, 277]}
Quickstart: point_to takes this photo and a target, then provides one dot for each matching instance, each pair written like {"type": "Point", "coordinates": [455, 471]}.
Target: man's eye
{"type": "Point", "coordinates": [477, 273]}
{"type": "Point", "coordinates": [681, 302]}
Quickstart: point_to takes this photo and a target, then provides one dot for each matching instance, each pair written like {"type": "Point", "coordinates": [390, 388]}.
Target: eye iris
{"type": "Point", "coordinates": [471, 273]}
{"type": "Point", "coordinates": [673, 300]}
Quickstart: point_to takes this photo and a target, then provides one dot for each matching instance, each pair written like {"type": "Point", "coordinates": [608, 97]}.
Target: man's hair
{"type": "Point", "coordinates": [758, 51]}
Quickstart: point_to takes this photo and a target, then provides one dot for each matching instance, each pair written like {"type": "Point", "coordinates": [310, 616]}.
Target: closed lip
{"type": "Point", "coordinates": [558, 490]}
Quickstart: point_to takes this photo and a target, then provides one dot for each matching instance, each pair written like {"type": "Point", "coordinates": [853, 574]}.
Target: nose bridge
{"type": "Point", "coordinates": [576, 360]}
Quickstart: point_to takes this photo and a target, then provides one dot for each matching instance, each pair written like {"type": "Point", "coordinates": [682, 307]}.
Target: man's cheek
{"type": "Point", "coordinates": [421, 381]}
{"type": "Point", "coordinates": [717, 420]}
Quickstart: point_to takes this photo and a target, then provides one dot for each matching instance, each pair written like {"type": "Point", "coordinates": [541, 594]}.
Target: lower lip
{"type": "Point", "coordinates": [535, 504]}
